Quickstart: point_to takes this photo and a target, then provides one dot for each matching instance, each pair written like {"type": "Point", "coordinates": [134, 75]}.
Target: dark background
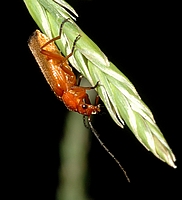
{"type": "Point", "coordinates": [142, 40]}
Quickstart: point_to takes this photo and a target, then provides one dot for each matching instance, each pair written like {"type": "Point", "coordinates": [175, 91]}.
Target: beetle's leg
{"type": "Point", "coordinates": [58, 37]}
{"type": "Point", "coordinates": [73, 47]}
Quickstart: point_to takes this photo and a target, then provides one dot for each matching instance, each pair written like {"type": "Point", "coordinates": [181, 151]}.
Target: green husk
{"type": "Point", "coordinates": [116, 91]}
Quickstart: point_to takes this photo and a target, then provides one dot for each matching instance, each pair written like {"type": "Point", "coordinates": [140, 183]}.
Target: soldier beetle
{"type": "Point", "coordinates": [59, 75]}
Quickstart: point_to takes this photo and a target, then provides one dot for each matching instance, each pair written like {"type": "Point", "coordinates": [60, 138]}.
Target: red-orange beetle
{"type": "Point", "coordinates": [62, 80]}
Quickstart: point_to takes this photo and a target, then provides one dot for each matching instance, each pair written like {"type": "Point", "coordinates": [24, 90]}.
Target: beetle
{"type": "Point", "coordinates": [59, 75]}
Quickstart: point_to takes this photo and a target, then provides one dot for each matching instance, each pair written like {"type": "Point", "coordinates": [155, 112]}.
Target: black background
{"type": "Point", "coordinates": [142, 40]}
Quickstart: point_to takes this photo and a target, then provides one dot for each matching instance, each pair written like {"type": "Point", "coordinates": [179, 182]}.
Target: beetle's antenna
{"type": "Point", "coordinates": [85, 122]}
{"type": "Point", "coordinates": [103, 145]}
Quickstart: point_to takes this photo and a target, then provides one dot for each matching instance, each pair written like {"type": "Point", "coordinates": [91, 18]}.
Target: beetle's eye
{"type": "Point", "coordinates": [84, 106]}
